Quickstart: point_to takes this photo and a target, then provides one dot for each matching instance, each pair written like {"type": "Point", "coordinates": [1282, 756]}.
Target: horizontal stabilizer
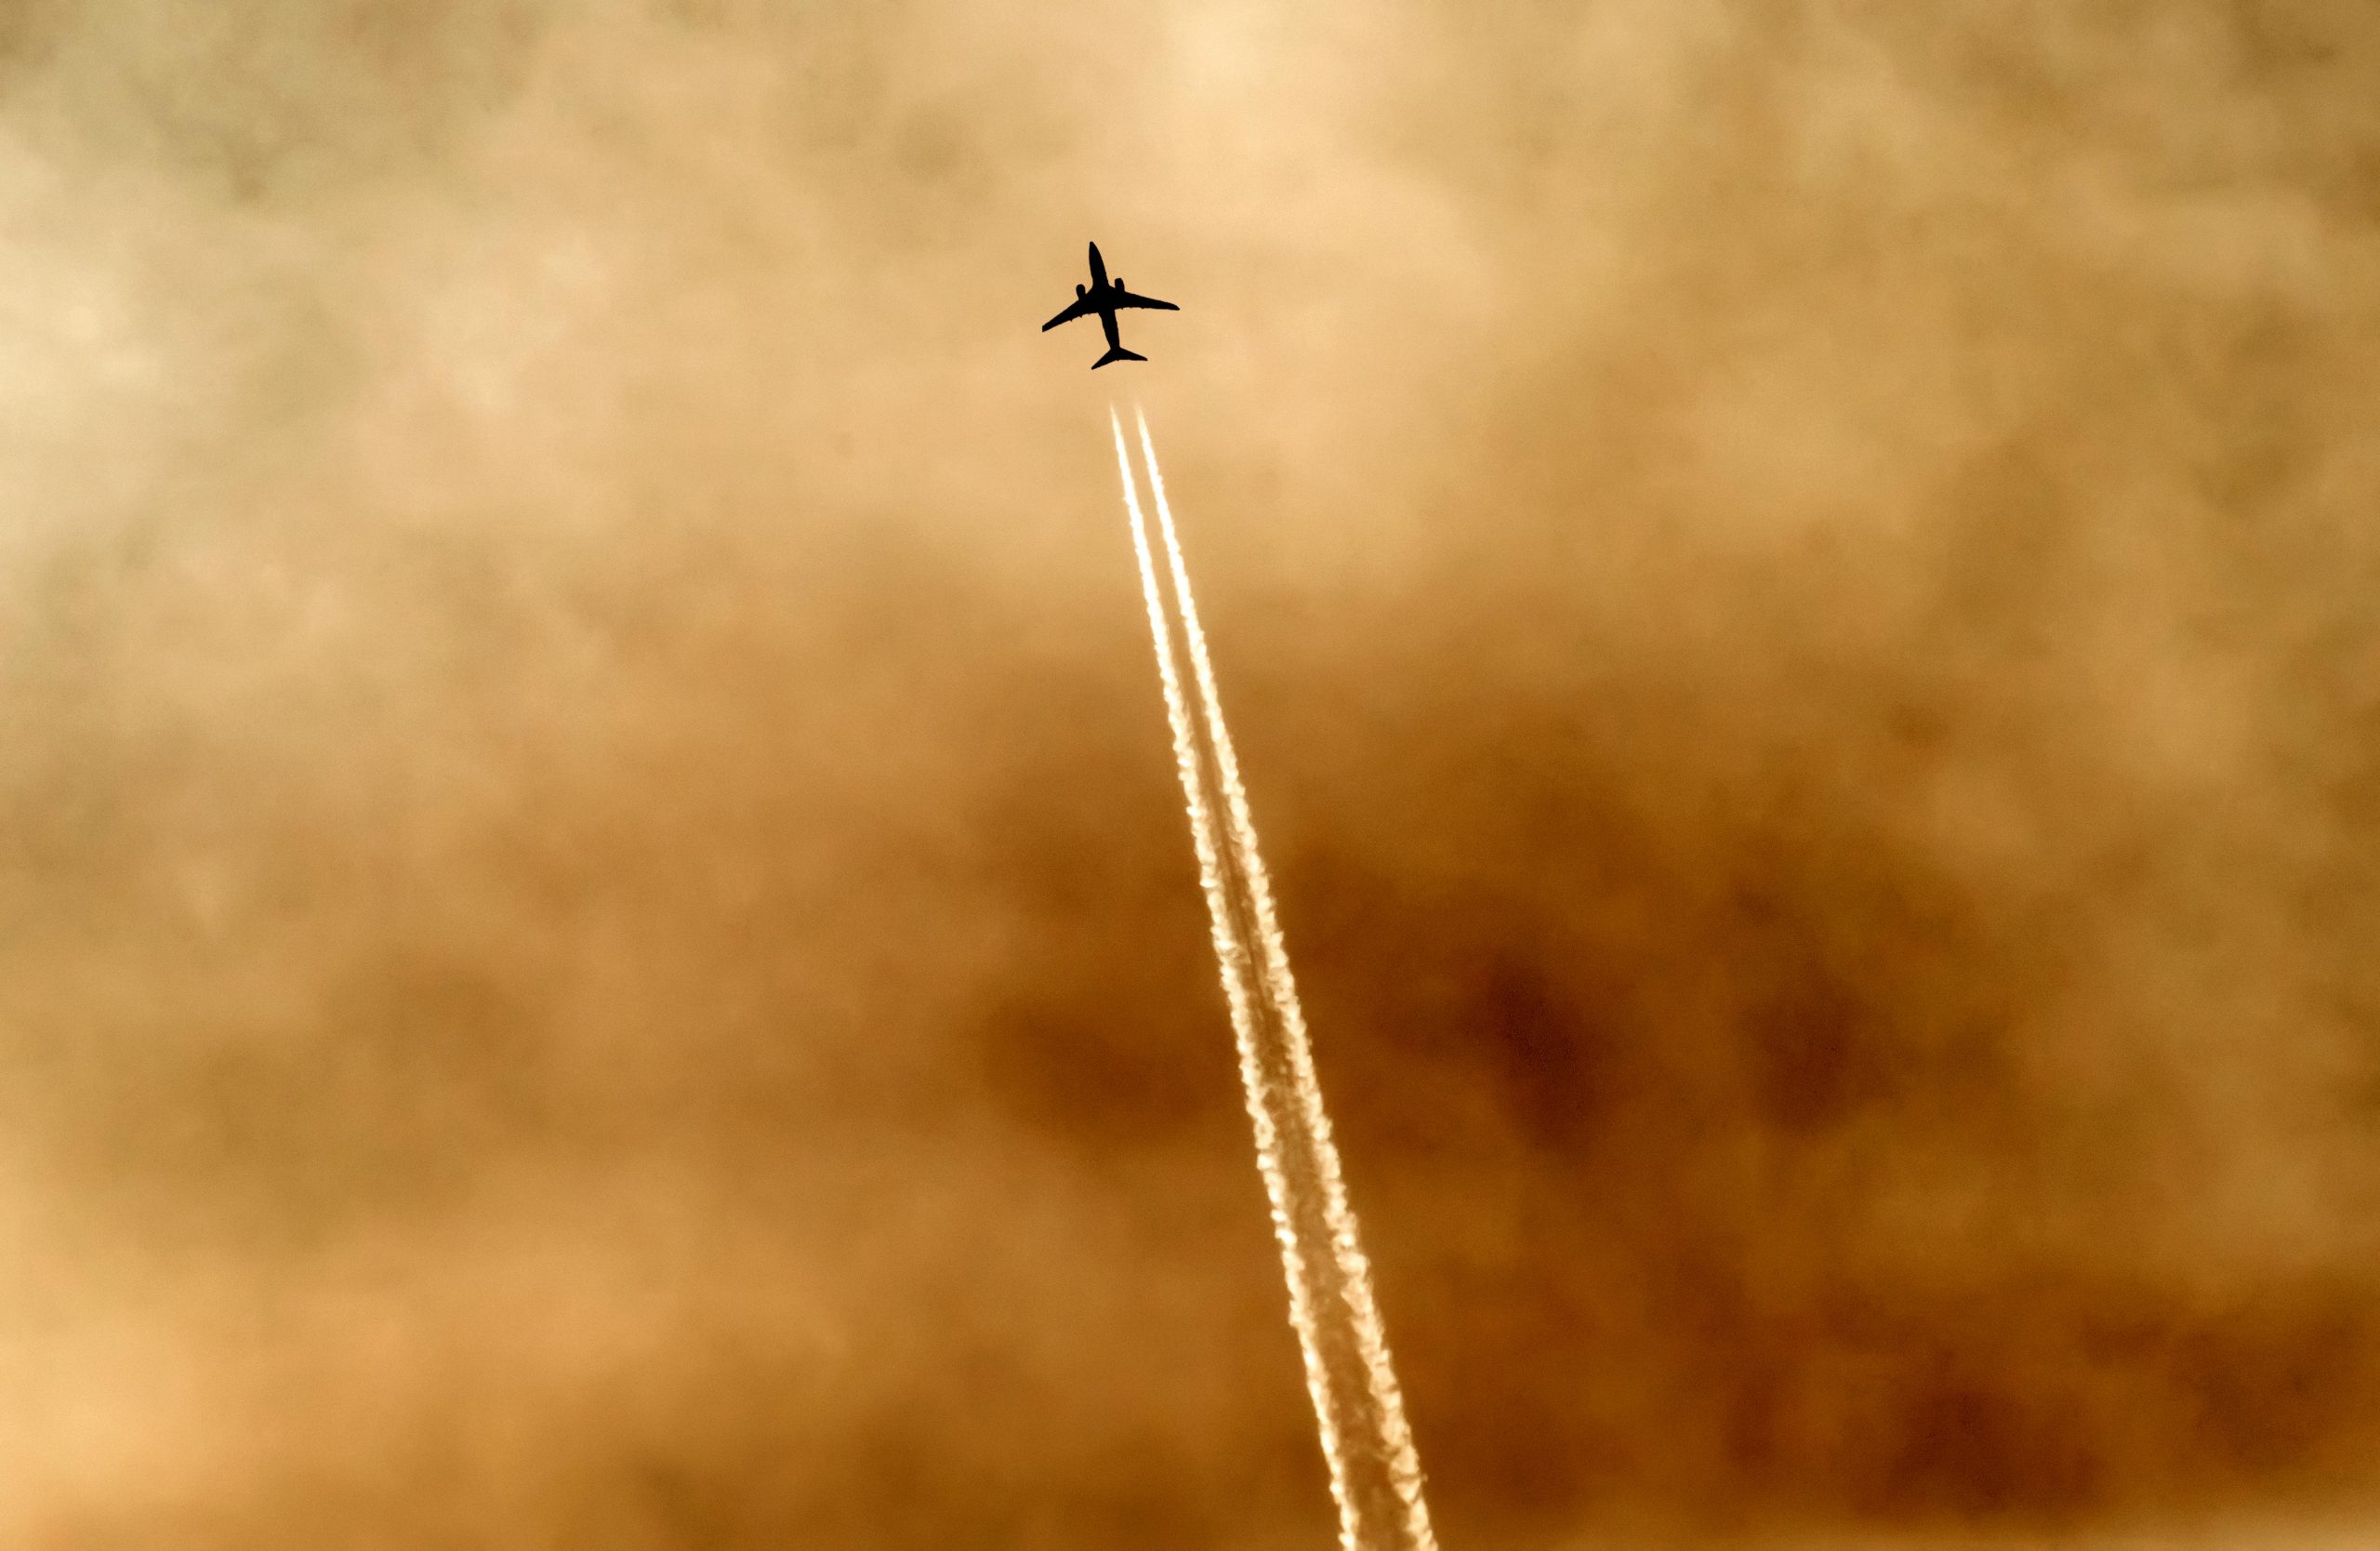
{"type": "Point", "coordinates": [1119, 353]}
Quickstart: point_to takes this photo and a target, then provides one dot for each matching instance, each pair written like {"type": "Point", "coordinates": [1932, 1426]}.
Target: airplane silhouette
{"type": "Point", "coordinates": [1103, 298]}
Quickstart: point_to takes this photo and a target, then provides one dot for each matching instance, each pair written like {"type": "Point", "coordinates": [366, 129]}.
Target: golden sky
{"type": "Point", "coordinates": [597, 944]}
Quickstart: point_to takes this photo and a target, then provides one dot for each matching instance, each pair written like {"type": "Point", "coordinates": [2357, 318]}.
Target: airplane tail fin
{"type": "Point", "coordinates": [1119, 353]}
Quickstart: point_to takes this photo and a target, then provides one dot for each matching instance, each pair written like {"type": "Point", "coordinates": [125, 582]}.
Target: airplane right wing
{"type": "Point", "coordinates": [1080, 308]}
{"type": "Point", "coordinates": [1126, 298]}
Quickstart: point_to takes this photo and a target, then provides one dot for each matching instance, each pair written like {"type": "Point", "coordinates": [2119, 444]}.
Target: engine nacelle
{"type": "Point", "coordinates": [1118, 281]}
{"type": "Point", "coordinates": [1078, 293]}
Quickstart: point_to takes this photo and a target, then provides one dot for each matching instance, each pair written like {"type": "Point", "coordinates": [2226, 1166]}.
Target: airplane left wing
{"type": "Point", "coordinates": [1126, 298]}
{"type": "Point", "coordinates": [1080, 308]}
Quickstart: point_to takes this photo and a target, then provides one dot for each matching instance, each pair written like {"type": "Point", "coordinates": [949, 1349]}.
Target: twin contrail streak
{"type": "Point", "coordinates": [1375, 1476]}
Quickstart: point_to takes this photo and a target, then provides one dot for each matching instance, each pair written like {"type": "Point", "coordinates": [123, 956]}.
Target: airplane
{"type": "Point", "coordinates": [1103, 298]}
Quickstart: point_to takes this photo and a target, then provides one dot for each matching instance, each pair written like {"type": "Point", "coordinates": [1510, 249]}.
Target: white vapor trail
{"type": "Point", "coordinates": [1375, 1476]}
{"type": "Point", "coordinates": [1231, 955]}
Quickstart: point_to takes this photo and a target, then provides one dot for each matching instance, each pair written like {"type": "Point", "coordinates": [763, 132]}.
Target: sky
{"type": "Point", "coordinates": [597, 942]}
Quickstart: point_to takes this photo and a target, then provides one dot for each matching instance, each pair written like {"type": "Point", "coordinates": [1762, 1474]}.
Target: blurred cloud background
{"type": "Point", "coordinates": [597, 946]}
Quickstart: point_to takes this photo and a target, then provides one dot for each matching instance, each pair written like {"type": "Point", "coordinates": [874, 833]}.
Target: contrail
{"type": "Point", "coordinates": [1375, 1476]}
{"type": "Point", "coordinates": [1231, 955]}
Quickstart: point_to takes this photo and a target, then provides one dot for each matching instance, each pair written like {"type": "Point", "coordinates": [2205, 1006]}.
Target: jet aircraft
{"type": "Point", "coordinates": [1104, 296]}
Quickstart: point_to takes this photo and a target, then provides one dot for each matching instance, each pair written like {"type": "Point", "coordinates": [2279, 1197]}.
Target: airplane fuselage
{"type": "Point", "coordinates": [1099, 297]}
